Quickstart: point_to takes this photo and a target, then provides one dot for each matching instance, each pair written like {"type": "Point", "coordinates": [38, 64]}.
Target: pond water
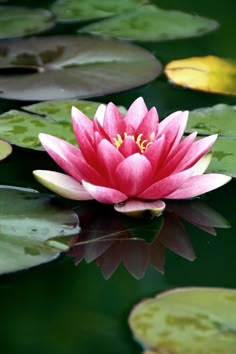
{"type": "Point", "coordinates": [62, 308]}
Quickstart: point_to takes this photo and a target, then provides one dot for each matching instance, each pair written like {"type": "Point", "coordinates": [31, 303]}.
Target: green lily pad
{"type": "Point", "coordinates": [33, 229]}
{"type": "Point", "coordinates": [63, 67]}
{"type": "Point", "coordinates": [60, 110]}
{"type": "Point", "coordinates": [224, 157]}
{"type": "Point", "coordinates": [159, 25]}
{"type": "Point", "coordinates": [187, 320]}
{"type": "Point", "coordinates": [22, 21]}
{"type": "Point", "coordinates": [5, 149]}
{"type": "Point", "coordinates": [74, 10]}
{"type": "Point", "coordinates": [52, 117]}
{"type": "Point", "coordinates": [219, 119]}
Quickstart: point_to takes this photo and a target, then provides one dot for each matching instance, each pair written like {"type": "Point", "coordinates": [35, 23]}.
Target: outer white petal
{"type": "Point", "coordinates": [138, 208]}
{"type": "Point", "coordinates": [62, 184]}
{"type": "Point", "coordinates": [100, 113]}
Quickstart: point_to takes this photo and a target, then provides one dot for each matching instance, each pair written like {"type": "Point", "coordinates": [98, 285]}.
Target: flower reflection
{"type": "Point", "coordinates": [109, 238]}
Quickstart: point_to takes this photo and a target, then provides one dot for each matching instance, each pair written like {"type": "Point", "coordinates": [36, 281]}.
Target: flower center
{"type": "Point", "coordinates": [142, 144]}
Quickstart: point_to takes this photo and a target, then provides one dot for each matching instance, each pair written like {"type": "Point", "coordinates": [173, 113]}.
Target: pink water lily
{"type": "Point", "coordinates": [130, 159]}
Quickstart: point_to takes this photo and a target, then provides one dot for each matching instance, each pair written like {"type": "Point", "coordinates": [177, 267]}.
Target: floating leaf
{"type": "Point", "coordinates": [219, 119]}
{"type": "Point", "coordinates": [74, 10]}
{"type": "Point", "coordinates": [60, 111]}
{"type": "Point", "coordinates": [52, 117]}
{"type": "Point", "coordinates": [22, 21]}
{"type": "Point", "coordinates": [71, 66]}
{"type": "Point", "coordinates": [224, 157]}
{"type": "Point", "coordinates": [33, 229]}
{"type": "Point", "coordinates": [149, 23]}
{"type": "Point", "coordinates": [210, 74]}
{"type": "Point", "coordinates": [187, 320]}
{"type": "Point", "coordinates": [5, 149]}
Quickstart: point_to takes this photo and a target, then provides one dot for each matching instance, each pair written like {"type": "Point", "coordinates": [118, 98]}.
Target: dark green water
{"type": "Point", "coordinates": [60, 308]}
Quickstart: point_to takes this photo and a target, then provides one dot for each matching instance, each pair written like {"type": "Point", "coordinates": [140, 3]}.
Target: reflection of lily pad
{"type": "Point", "coordinates": [74, 10]}
{"type": "Point", "coordinates": [33, 230]}
{"type": "Point", "coordinates": [188, 320]}
{"type": "Point", "coordinates": [210, 74]}
{"type": "Point", "coordinates": [219, 119]}
{"type": "Point", "coordinates": [21, 21]}
{"type": "Point", "coordinates": [5, 149]}
{"type": "Point", "coordinates": [69, 66]}
{"type": "Point", "coordinates": [52, 117]}
{"type": "Point", "coordinates": [149, 23]}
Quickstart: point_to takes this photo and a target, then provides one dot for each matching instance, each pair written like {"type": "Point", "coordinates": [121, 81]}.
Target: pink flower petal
{"type": "Point", "coordinates": [155, 152]}
{"type": "Point", "coordinates": [133, 174]}
{"type": "Point", "coordinates": [197, 150]}
{"type": "Point", "coordinates": [98, 129]}
{"type": "Point", "coordinates": [81, 124]}
{"type": "Point", "coordinates": [137, 207]}
{"type": "Point", "coordinates": [177, 156]}
{"type": "Point", "coordinates": [175, 129]}
{"type": "Point", "coordinates": [103, 194]}
{"type": "Point", "coordinates": [113, 121]}
{"type": "Point", "coordinates": [165, 186]}
{"type": "Point", "coordinates": [149, 125]}
{"type": "Point", "coordinates": [64, 154]}
{"type": "Point", "coordinates": [198, 185]}
{"type": "Point", "coordinates": [136, 113]}
{"type": "Point", "coordinates": [129, 147]}
{"type": "Point", "coordinates": [70, 159]}
{"type": "Point", "coordinates": [62, 184]}
{"type": "Point", "coordinates": [169, 120]}
{"type": "Point", "coordinates": [90, 174]}
{"type": "Point", "coordinates": [87, 149]}
{"type": "Point", "coordinates": [109, 158]}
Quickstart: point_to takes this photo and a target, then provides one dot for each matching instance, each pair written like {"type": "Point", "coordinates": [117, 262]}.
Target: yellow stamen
{"type": "Point", "coordinates": [118, 141]}
{"type": "Point", "coordinates": [142, 144]}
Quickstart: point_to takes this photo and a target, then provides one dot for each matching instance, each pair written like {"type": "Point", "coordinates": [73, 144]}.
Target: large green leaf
{"type": "Point", "coordinates": [64, 67]}
{"type": "Point", "coordinates": [51, 117]}
{"type": "Point", "coordinates": [74, 10]}
{"type": "Point", "coordinates": [149, 23]}
{"type": "Point", "coordinates": [224, 157]}
{"type": "Point", "coordinates": [21, 21]}
{"type": "Point", "coordinates": [221, 120]}
{"type": "Point", "coordinates": [5, 149]}
{"type": "Point", "coordinates": [33, 229]}
{"type": "Point", "coordinates": [187, 320]}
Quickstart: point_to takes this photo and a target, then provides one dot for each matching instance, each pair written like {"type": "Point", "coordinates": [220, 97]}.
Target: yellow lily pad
{"type": "Point", "coordinates": [187, 320]}
{"type": "Point", "coordinates": [209, 74]}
